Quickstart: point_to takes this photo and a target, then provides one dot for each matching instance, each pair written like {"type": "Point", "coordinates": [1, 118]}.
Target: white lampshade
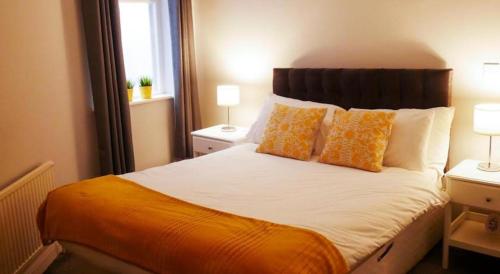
{"type": "Point", "coordinates": [487, 119]}
{"type": "Point", "coordinates": [228, 95]}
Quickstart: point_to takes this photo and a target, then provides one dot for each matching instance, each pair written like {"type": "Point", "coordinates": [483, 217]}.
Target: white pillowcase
{"type": "Point", "coordinates": [420, 138]}
{"type": "Point", "coordinates": [408, 144]}
{"type": "Point", "coordinates": [439, 140]}
{"type": "Point", "coordinates": [407, 147]}
{"type": "Point", "coordinates": [256, 132]}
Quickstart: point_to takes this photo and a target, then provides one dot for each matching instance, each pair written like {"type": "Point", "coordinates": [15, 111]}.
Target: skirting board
{"type": "Point", "coordinates": [42, 260]}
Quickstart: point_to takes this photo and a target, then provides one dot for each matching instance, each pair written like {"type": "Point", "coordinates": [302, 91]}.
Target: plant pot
{"type": "Point", "coordinates": [130, 92]}
{"type": "Point", "coordinates": [145, 92]}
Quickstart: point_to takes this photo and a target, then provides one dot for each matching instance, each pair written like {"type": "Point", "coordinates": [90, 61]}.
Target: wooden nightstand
{"type": "Point", "coordinates": [213, 139]}
{"type": "Point", "coordinates": [471, 187]}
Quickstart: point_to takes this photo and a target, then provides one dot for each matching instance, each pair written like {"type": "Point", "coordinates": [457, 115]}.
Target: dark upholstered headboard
{"type": "Point", "coordinates": [366, 88]}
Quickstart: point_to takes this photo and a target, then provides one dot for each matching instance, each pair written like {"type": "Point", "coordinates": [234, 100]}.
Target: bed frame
{"type": "Point", "coordinates": [373, 89]}
{"type": "Point", "coordinates": [359, 88]}
{"type": "Point", "coordinates": [366, 88]}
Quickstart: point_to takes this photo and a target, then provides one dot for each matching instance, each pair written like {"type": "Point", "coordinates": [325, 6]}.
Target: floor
{"type": "Point", "coordinates": [461, 262]}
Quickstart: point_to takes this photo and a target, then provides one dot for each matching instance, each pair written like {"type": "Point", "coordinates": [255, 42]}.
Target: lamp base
{"type": "Point", "coordinates": [490, 167]}
{"type": "Point", "coordinates": [228, 128]}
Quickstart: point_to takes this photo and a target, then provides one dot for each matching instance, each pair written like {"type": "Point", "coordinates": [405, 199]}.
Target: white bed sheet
{"type": "Point", "coordinates": [357, 210]}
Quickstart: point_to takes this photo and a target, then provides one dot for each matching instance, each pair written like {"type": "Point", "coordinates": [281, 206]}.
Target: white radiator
{"type": "Point", "coordinates": [19, 202]}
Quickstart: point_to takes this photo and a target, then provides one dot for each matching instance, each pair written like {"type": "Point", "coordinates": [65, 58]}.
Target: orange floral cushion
{"type": "Point", "coordinates": [291, 132]}
{"type": "Point", "coordinates": [358, 139]}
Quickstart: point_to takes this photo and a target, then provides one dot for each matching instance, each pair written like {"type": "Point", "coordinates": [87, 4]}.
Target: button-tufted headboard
{"type": "Point", "coordinates": [366, 88]}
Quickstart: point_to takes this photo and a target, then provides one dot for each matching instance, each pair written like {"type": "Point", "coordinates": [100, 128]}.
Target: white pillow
{"type": "Point", "coordinates": [408, 143]}
{"type": "Point", "coordinates": [256, 132]}
{"type": "Point", "coordinates": [439, 141]}
{"type": "Point", "coordinates": [434, 151]}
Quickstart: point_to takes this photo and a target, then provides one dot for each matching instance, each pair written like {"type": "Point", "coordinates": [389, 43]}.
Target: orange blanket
{"type": "Point", "coordinates": [166, 235]}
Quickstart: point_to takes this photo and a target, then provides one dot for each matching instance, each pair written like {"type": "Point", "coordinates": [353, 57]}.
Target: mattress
{"type": "Point", "coordinates": [359, 211]}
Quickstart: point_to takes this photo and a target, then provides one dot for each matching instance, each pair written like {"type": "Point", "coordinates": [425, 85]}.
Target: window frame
{"type": "Point", "coordinates": [161, 47]}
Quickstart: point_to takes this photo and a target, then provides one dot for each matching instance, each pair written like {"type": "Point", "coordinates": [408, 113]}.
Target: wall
{"type": "Point", "coordinates": [152, 133]}
{"type": "Point", "coordinates": [45, 104]}
{"type": "Point", "coordinates": [45, 111]}
{"type": "Point", "coordinates": [241, 41]}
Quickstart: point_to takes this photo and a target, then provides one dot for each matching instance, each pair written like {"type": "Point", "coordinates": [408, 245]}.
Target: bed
{"type": "Point", "coordinates": [381, 222]}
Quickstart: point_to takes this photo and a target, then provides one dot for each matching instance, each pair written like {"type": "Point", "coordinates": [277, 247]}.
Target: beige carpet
{"type": "Point", "coordinates": [461, 262]}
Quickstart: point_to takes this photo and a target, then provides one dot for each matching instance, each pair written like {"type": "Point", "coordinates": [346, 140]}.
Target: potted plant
{"type": "Point", "coordinates": [145, 84]}
{"type": "Point", "coordinates": [130, 90]}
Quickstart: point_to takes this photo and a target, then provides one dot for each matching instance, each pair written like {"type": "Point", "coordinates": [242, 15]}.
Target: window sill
{"type": "Point", "coordinates": [156, 98]}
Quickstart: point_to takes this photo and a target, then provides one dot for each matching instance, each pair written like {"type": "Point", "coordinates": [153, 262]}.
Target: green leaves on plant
{"type": "Point", "coordinates": [130, 84]}
{"type": "Point", "coordinates": [145, 81]}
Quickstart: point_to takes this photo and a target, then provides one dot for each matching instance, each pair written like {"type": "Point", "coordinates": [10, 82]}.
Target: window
{"type": "Point", "coordinates": [147, 51]}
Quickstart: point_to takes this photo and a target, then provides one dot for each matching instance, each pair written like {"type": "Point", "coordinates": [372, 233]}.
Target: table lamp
{"type": "Point", "coordinates": [487, 122]}
{"type": "Point", "coordinates": [228, 96]}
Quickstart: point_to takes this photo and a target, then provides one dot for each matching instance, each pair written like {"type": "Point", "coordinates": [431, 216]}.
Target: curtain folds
{"type": "Point", "coordinates": [101, 22]}
{"type": "Point", "coordinates": [186, 105]}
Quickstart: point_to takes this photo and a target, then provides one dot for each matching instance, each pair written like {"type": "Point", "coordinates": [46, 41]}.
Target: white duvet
{"type": "Point", "coordinates": [357, 210]}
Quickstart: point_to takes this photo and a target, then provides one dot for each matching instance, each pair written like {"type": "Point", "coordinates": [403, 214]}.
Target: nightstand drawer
{"type": "Point", "coordinates": [205, 146]}
{"type": "Point", "coordinates": [474, 194]}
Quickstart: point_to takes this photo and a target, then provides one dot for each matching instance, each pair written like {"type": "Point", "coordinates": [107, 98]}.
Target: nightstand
{"type": "Point", "coordinates": [471, 187]}
{"type": "Point", "coordinates": [213, 139]}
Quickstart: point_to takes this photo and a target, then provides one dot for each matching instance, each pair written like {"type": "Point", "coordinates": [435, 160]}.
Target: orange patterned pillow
{"type": "Point", "coordinates": [358, 139]}
{"type": "Point", "coordinates": [291, 131]}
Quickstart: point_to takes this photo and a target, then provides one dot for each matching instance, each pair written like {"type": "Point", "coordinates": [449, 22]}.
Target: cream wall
{"type": "Point", "coordinates": [152, 133]}
{"type": "Point", "coordinates": [241, 41]}
{"type": "Point", "coordinates": [45, 112]}
{"type": "Point", "coordinates": [45, 104]}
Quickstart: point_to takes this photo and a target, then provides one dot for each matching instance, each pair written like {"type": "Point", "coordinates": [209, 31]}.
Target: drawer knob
{"type": "Point", "coordinates": [488, 199]}
{"type": "Point", "coordinates": [209, 148]}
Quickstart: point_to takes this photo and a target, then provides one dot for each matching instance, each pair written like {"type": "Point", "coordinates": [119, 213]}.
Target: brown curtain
{"type": "Point", "coordinates": [186, 105]}
{"type": "Point", "coordinates": [101, 21]}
